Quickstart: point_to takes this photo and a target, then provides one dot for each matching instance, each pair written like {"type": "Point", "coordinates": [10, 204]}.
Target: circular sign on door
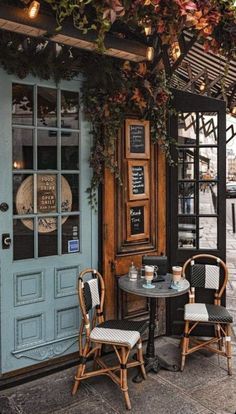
{"type": "Point", "coordinates": [46, 200]}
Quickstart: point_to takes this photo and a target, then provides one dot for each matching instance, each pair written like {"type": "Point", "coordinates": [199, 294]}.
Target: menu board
{"type": "Point", "coordinates": [137, 220]}
{"type": "Point", "coordinates": [138, 180]}
{"type": "Point", "coordinates": [137, 135]}
{"type": "Point", "coordinates": [137, 139]}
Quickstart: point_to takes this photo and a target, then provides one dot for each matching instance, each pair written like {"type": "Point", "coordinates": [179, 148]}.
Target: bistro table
{"type": "Point", "coordinates": [162, 290]}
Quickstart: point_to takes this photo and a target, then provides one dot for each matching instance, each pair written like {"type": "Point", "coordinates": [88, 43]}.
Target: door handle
{"type": "Point", "coordinates": [6, 241]}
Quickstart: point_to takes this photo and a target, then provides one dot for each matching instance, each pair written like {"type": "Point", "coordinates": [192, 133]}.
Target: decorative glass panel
{"type": "Point", "coordinates": [208, 198]}
{"type": "Point", "coordinates": [208, 163]}
{"type": "Point", "coordinates": [47, 107]}
{"type": "Point", "coordinates": [47, 236]}
{"type": "Point", "coordinates": [46, 193]}
{"type": "Point", "coordinates": [69, 109]}
{"type": "Point", "coordinates": [70, 234]}
{"type": "Point", "coordinates": [208, 233]}
{"type": "Point", "coordinates": [23, 191]}
{"type": "Point", "coordinates": [69, 150]}
{"type": "Point", "coordinates": [186, 197]}
{"type": "Point", "coordinates": [22, 145]}
{"type": "Point", "coordinates": [22, 104]}
{"type": "Point", "coordinates": [70, 192]}
{"type": "Point", "coordinates": [186, 163]}
{"type": "Point", "coordinates": [208, 128]}
{"type": "Point", "coordinates": [23, 239]}
{"type": "Point", "coordinates": [187, 232]}
{"type": "Point", "coordinates": [47, 150]}
{"type": "Point", "coordinates": [187, 129]}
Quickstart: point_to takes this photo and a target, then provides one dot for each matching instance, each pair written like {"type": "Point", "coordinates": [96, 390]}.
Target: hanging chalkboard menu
{"type": "Point", "coordinates": [137, 138]}
{"type": "Point", "coordinates": [138, 180]}
{"type": "Point", "coordinates": [137, 215]}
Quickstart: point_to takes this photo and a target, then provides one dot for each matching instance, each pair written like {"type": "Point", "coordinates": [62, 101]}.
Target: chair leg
{"type": "Point", "coordinates": [80, 369]}
{"type": "Point", "coordinates": [228, 348]}
{"type": "Point", "coordinates": [140, 358]}
{"type": "Point", "coordinates": [123, 377]}
{"type": "Point", "coordinates": [185, 343]}
{"type": "Point", "coordinates": [219, 336]}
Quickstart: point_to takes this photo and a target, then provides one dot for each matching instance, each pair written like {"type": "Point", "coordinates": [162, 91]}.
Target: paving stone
{"type": "Point", "coordinates": [220, 397]}
{"type": "Point", "coordinates": [93, 405]}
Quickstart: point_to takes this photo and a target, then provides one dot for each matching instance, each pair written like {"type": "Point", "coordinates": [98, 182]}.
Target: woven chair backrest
{"type": "Point", "coordinates": [91, 291]}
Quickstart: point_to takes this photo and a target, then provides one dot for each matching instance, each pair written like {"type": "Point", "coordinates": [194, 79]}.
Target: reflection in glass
{"type": "Point", "coordinates": [208, 163]}
{"type": "Point", "coordinates": [207, 198]}
{"type": "Point", "coordinates": [70, 231]}
{"type": "Point", "coordinates": [47, 107]}
{"type": "Point", "coordinates": [23, 239]}
{"type": "Point", "coordinates": [22, 147]}
{"type": "Point", "coordinates": [186, 197]}
{"type": "Point", "coordinates": [23, 194]}
{"type": "Point", "coordinates": [69, 150]}
{"type": "Point", "coordinates": [208, 232]}
{"type": "Point", "coordinates": [187, 232]}
{"type": "Point", "coordinates": [47, 236]}
{"type": "Point", "coordinates": [186, 164]}
{"type": "Point", "coordinates": [187, 129]}
{"type": "Point", "coordinates": [69, 109]}
{"type": "Point", "coordinates": [47, 150]}
{"type": "Point", "coordinates": [22, 104]}
{"type": "Point", "coordinates": [208, 128]}
{"type": "Point", "coordinates": [70, 192]}
{"type": "Point", "coordinates": [46, 193]}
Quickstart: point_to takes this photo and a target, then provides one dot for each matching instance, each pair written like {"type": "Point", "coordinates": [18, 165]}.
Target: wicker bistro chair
{"type": "Point", "coordinates": [207, 276]}
{"type": "Point", "coordinates": [123, 335]}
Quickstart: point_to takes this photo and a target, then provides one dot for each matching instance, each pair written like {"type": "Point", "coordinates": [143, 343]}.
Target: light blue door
{"type": "Point", "coordinates": [44, 172]}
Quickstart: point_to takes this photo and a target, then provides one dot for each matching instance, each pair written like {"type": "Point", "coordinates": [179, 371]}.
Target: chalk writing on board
{"type": "Point", "coordinates": [137, 139]}
{"type": "Point", "coordinates": [137, 220]}
{"type": "Point", "coordinates": [138, 182]}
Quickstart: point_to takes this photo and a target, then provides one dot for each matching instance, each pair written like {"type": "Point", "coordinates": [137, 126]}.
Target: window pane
{"type": "Point", "coordinates": [208, 163]}
{"type": "Point", "coordinates": [208, 233]}
{"type": "Point", "coordinates": [187, 129]}
{"type": "Point", "coordinates": [23, 239]}
{"type": "Point", "coordinates": [47, 150]}
{"type": "Point", "coordinates": [46, 193]}
{"type": "Point", "coordinates": [47, 236]}
{"type": "Point", "coordinates": [23, 194]}
{"type": "Point", "coordinates": [208, 198]}
{"type": "Point", "coordinates": [47, 107]}
{"type": "Point", "coordinates": [69, 109]}
{"type": "Point", "coordinates": [186, 158]}
{"type": "Point", "coordinates": [187, 232]}
{"type": "Point", "coordinates": [70, 234]}
{"type": "Point", "coordinates": [69, 150]}
{"type": "Point", "coordinates": [22, 104]}
{"type": "Point", "coordinates": [70, 192]}
{"type": "Point", "coordinates": [22, 143]}
{"type": "Point", "coordinates": [208, 128]}
{"type": "Point", "coordinates": [186, 198]}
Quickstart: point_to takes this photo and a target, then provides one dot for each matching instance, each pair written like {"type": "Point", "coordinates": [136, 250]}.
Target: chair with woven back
{"type": "Point", "coordinates": [122, 335]}
{"type": "Point", "coordinates": [207, 276]}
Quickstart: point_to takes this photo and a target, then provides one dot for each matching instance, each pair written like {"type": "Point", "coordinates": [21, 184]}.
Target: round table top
{"type": "Point", "coordinates": [161, 290]}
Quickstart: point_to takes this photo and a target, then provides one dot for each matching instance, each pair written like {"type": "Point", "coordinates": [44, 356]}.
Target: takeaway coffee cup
{"type": "Point", "coordinates": [176, 274]}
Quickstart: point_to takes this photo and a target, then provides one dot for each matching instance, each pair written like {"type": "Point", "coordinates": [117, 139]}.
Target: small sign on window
{"type": "Point", "coordinates": [73, 246]}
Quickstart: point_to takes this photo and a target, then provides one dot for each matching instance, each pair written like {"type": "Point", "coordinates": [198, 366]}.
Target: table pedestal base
{"type": "Point", "coordinates": [154, 364]}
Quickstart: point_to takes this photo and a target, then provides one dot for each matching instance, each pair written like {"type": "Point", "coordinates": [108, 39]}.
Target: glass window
{"type": "Point", "coordinates": [23, 193]}
{"type": "Point", "coordinates": [208, 163]}
{"type": "Point", "coordinates": [69, 150]}
{"type": "Point", "coordinates": [186, 163]}
{"type": "Point", "coordinates": [208, 233]}
{"type": "Point", "coordinates": [47, 107]}
{"type": "Point", "coordinates": [47, 149]}
{"type": "Point", "coordinates": [22, 104]}
{"type": "Point", "coordinates": [187, 232]}
{"type": "Point", "coordinates": [208, 197]}
{"type": "Point", "coordinates": [70, 232]}
{"type": "Point", "coordinates": [69, 109]}
{"type": "Point", "coordinates": [23, 239]}
{"type": "Point", "coordinates": [187, 129]}
{"type": "Point", "coordinates": [208, 128]}
{"type": "Point", "coordinates": [47, 236]}
{"type": "Point", "coordinates": [186, 197]}
{"type": "Point", "coordinates": [22, 145]}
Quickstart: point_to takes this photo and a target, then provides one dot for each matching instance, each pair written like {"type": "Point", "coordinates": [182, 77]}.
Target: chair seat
{"type": "Point", "coordinates": [206, 313]}
{"type": "Point", "coordinates": [122, 332]}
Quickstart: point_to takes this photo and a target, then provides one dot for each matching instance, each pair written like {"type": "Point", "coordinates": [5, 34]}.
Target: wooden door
{"type": "Point", "coordinates": [196, 187]}
{"type": "Point", "coordinates": [143, 171]}
{"type": "Point", "coordinates": [44, 173]}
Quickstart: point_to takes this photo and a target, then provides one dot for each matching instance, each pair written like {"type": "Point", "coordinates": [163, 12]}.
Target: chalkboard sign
{"type": "Point", "coordinates": [137, 220]}
{"type": "Point", "coordinates": [137, 138]}
{"type": "Point", "coordinates": [138, 179]}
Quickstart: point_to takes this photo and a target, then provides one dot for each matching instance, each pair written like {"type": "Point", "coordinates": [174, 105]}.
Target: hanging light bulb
{"type": "Point", "coordinates": [202, 86]}
{"type": "Point", "coordinates": [175, 50]}
{"type": "Point", "coordinates": [148, 29]}
{"type": "Point", "coordinates": [33, 9]}
{"type": "Point", "coordinates": [233, 111]}
{"type": "Point", "coordinates": [150, 53]}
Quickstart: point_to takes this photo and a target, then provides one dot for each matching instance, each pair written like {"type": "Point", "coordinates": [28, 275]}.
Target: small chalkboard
{"type": "Point", "coordinates": [137, 220]}
{"type": "Point", "coordinates": [137, 138]}
{"type": "Point", "coordinates": [138, 179]}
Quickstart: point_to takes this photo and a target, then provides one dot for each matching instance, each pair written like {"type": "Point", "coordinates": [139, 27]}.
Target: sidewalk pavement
{"type": "Point", "coordinates": [203, 387]}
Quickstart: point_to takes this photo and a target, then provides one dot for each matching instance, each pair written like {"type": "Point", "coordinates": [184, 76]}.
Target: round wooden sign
{"type": "Point", "coordinates": [46, 200]}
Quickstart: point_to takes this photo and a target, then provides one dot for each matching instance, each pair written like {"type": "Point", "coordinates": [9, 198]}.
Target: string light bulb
{"type": "Point", "coordinates": [150, 53]}
{"type": "Point", "coordinates": [233, 111]}
{"type": "Point", "coordinates": [148, 29]}
{"type": "Point", "coordinates": [33, 9]}
{"type": "Point", "coordinates": [202, 87]}
{"type": "Point", "coordinates": [175, 50]}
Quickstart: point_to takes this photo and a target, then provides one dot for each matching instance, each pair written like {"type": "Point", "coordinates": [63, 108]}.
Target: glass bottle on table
{"type": "Point", "coordinates": [133, 272]}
